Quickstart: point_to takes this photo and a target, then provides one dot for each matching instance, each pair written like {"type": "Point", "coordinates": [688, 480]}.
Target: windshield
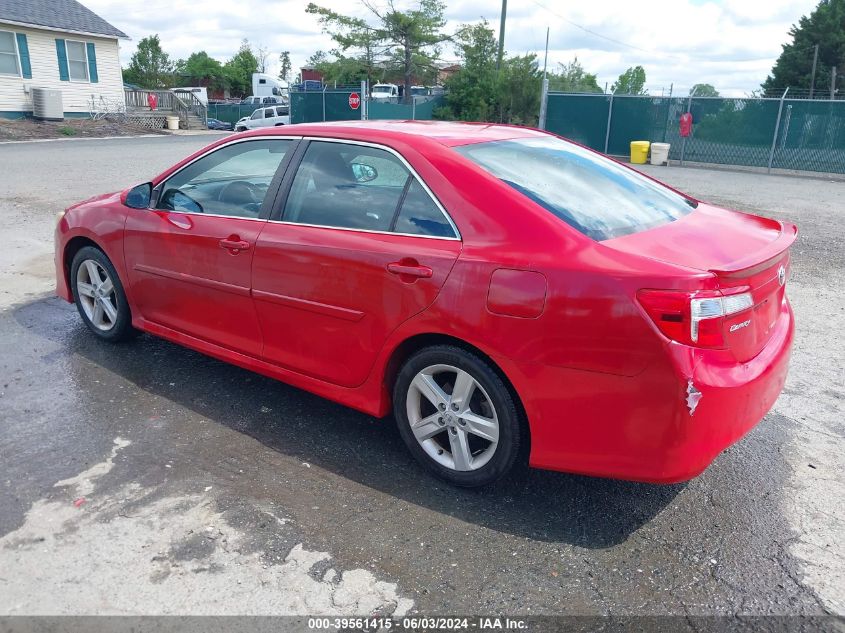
{"type": "Point", "coordinates": [591, 193]}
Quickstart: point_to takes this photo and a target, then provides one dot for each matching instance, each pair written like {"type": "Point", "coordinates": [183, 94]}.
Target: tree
{"type": "Point", "coordinates": [631, 82]}
{"type": "Point", "coordinates": [239, 69]}
{"type": "Point", "coordinates": [409, 37]}
{"type": "Point", "coordinates": [284, 66]}
{"type": "Point", "coordinates": [518, 90]}
{"type": "Point", "coordinates": [150, 67]}
{"type": "Point", "coordinates": [825, 26]}
{"type": "Point", "coordinates": [261, 54]}
{"type": "Point", "coordinates": [471, 91]}
{"type": "Point", "coordinates": [477, 92]}
{"type": "Point", "coordinates": [704, 90]}
{"type": "Point", "coordinates": [201, 69]}
{"type": "Point", "coordinates": [573, 78]}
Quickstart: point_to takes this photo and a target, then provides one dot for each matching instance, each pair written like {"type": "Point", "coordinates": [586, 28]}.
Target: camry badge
{"type": "Point", "coordinates": [781, 275]}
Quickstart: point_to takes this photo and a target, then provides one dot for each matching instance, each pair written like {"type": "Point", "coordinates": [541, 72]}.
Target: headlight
{"type": "Point", "coordinates": [60, 215]}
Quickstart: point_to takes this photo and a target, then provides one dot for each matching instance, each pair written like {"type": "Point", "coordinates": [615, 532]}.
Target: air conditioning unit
{"type": "Point", "coordinates": [47, 104]}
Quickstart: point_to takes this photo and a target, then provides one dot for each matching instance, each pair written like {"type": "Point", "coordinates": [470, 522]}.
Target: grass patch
{"type": "Point", "coordinates": [66, 130]}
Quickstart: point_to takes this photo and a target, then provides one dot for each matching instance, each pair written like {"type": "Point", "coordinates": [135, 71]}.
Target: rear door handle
{"type": "Point", "coordinates": [234, 243]}
{"type": "Point", "coordinates": [409, 270]}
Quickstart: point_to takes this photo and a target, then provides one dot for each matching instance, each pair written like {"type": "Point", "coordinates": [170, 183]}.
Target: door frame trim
{"type": "Point", "coordinates": [277, 212]}
{"type": "Point", "coordinates": [269, 201]}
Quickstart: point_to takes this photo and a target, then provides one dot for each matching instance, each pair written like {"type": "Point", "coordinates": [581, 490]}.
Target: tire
{"type": "Point", "coordinates": [458, 445]}
{"type": "Point", "coordinates": [240, 129]}
{"type": "Point", "coordinates": [90, 273]}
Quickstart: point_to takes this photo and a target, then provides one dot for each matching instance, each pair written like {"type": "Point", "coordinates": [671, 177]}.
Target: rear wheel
{"type": "Point", "coordinates": [99, 295]}
{"type": "Point", "coordinates": [457, 416]}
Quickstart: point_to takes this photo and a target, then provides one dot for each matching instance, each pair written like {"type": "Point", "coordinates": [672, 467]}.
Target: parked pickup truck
{"type": "Point", "coordinates": [265, 117]}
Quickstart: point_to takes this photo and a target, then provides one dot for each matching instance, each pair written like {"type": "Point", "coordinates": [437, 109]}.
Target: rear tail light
{"type": "Point", "coordinates": [694, 318]}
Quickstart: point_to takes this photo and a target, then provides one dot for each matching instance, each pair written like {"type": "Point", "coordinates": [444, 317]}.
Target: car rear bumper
{"type": "Point", "coordinates": [640, 428]}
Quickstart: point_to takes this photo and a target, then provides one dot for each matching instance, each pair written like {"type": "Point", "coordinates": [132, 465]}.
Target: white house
{"type": "Point", "coordinates": [60, 45]}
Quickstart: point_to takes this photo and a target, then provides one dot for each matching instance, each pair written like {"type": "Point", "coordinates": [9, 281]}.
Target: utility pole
{"type": "Point", "coordinates": [502, 34]}
{"type": "Point", "coordinates": [813, 74]}
{"type": "Point", "coordinates": [832, 83]}
{"type": "Point", "coordinates": [546, 58]}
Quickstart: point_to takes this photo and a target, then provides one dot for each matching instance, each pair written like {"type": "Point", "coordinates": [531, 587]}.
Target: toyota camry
{"type": "Point", "coordinates": [510, 297]}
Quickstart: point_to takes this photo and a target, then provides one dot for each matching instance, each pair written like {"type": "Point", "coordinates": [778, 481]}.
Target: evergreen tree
{"type": "Point", "coordinates": [825, 26]}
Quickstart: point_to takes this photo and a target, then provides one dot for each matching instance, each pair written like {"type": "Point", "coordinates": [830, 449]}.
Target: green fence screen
{"type": "Point", "coordinates": [810, 134]}
{"type": "Point", "coordinates": [230, 112]}
{"type": "Point", "coordinates": [422, 108]}
{"type": "Point", "coordinates": [333, 105]}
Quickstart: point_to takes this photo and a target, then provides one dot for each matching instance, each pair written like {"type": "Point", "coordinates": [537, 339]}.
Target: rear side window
{"type": "Point", "coordinates": [420, 216]}
{"type": "Point", "coordinates": [593, 194]}
{"type": "Point", "coordinates": [341, 185]}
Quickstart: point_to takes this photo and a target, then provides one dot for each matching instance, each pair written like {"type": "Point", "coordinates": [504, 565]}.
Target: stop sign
{"type": "Point", "coordinates": [354, 101]}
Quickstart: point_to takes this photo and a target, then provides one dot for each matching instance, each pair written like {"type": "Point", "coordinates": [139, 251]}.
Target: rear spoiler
{"type": "Point", "coordinates": [765, 257]}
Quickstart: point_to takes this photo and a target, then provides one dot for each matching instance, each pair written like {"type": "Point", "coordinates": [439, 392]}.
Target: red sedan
{"type": "Point", "coordinates": [508, 295]}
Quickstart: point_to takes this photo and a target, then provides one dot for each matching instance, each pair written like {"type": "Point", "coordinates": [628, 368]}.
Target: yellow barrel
{"type": "Point", "coordinates": [639, 152]}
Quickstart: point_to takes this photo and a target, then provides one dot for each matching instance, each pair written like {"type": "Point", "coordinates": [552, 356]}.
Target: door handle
{"type": "Point", "coordinates": [234, 243]}
{"type": "Point", "coordinates": [408, 269]}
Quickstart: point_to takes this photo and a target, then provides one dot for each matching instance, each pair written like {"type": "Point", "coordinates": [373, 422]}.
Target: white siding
{"type": "Point", "coordinates": [76, 96]}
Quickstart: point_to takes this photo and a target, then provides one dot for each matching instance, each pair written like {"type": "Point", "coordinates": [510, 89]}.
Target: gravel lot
{"type": "Point", "coordinates": [148, 479]}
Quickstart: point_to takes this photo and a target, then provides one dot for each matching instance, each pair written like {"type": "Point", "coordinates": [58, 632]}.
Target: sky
{"type": "Point", "coordinates": [730, 44]}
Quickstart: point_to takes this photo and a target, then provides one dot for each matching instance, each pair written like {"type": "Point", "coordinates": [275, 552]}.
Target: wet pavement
{"type": "Point", "coordinates": [145, 478]}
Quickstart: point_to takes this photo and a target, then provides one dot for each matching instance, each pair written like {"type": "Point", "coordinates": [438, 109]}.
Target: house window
{"type": "Point", "coordinates": [9, 63]}
{"type": "Point", "coordinates": [77, 61]}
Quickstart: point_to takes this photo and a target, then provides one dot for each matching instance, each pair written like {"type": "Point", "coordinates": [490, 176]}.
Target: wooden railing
{"type": "Point", "coordinates": [192, 105]}
{"type": "Point", "coordinates": [182, 103]}
{"type": "Point", "coordinates": [139, 99]}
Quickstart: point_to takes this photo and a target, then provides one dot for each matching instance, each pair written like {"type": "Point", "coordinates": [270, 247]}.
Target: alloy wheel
{"type": "Point", "coordinates": [452, 417]}
{"type": "Point", "coordinates": [96, 294]}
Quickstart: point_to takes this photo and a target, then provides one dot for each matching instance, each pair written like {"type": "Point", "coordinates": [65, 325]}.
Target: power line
{"type": "Point", "coordinates": [599, 35]}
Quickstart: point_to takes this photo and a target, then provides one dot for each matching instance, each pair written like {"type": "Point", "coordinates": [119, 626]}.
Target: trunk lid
{"type": "Point", "coordinates": [746, 253]}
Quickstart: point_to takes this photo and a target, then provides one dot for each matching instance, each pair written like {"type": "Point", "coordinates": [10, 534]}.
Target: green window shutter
{"type": "Point", "coordinates": [61, 53]}
{"type": "Point", "coordinates": [23, 51]}
{"type": "Point", "coordinates": [92, 64]}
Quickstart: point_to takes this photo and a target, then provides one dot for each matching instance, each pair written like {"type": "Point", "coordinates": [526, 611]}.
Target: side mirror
{"type": "Point", "coordinates": [139, 196]}
{"type": "Point", "coordinates": [364, 173]}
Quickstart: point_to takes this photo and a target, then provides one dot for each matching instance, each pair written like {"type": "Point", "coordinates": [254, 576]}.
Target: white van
{"type": "Point", "coordinates": [200, 92]}
{"type": "Point", "coordinates": [385, 91]}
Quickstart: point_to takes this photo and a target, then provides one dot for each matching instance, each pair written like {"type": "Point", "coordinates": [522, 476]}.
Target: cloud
{"type": "Point", "coordinates": [731, 44]}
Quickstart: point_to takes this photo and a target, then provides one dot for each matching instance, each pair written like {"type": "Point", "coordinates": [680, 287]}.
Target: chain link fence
{"type": "Point", "coordinates": [785, 133]}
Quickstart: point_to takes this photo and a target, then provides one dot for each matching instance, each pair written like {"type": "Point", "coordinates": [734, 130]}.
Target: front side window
{"type": "Point", "coordinates": [77, 60]}
{"type": "Point", "coordinates": [231, 181]}
{"type": "Point", "coordinates": [595, 195]}
{"type": "Point", "coordinates": [8, 54]}
{"type": "Point", "coordinates": [258, 114]}
{"type": "Point", "coordinates": [352, 186]}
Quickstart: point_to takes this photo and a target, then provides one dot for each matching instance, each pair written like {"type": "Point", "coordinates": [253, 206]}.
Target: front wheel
{"type": "Point", "coordinates": [99, 295]}
{"type": "Point", "coordinates": [457, 416]}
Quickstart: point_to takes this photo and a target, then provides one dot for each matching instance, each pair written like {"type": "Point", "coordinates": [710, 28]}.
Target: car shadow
{"type": "Point", "coordinates": [553, 507]}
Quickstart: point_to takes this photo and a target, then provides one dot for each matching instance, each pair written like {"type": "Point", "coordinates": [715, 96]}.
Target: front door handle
{"type": "Point", "coordinates": [234, 244]}
{"type": "Point", "coordinates": [410, 269]}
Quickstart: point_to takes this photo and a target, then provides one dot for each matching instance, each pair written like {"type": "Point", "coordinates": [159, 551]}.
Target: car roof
{"type": "Point", "coordinates": [446, 133]}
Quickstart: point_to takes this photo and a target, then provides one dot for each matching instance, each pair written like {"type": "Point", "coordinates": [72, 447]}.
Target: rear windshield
{"type": "Point", "coordinates": [591, 193]}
